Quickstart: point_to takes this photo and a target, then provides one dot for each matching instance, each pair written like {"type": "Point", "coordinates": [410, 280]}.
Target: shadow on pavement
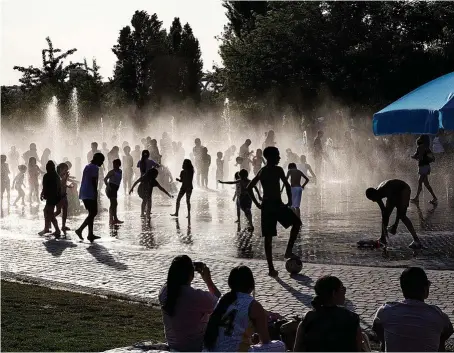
{"type": "Point", "coordinates": [303, 298]}
{"type": "Point", "coordinates": [56, 247]}
{"type": "Point", "coordinates": [102, 255]}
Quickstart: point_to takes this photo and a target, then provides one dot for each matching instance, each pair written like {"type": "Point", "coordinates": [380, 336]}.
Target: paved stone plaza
{"type": "Point", "coordinates": [131, 261]}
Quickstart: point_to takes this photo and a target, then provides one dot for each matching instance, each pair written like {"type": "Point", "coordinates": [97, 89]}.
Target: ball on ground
{"type": "Point", "coordinates": [294, 265]}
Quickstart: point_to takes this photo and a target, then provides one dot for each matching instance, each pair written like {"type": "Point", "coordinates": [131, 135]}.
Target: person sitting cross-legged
{"type": "Point", "coordinates": [412, 325]}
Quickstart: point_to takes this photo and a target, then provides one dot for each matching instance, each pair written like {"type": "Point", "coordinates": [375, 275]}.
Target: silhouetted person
{"type": "Point", "coordinates": [197, 152]}
{"type": "Point", "coordinates": [145, 164]}
{"type": "Point", "coordinates": [206, 163]}
{"type": "Point", "coordinates": [273, 209]}
{"type": "Point", "coordinates": [45, 157]}
{"type": "Point", "coordinates": [112, 182]}
{"type": "Point", "coordinates": [245, 200]}
{"type": "Point", "coordinates": [147, 183]}
{"type": "Point", "coordinates": [154, 151]}
{"type": "Point", "coordinates": [111, 156]}
{"type": "Point", "coordinates": [31, 153]}
{"type": "Point", "coordinates": [295, 176]}
{"type": "Point", "coordinates": [18, 183]}
{"type": "Point", "coordinates": [318, 152]}
{"type": "Point", "coordinates": [5, 181]}
{"type": "Point", "coordinates": [219, 168]}
{"type": "Point", "coordinates": [245, 154]}
{"type": "Point", "coordinates": [33, 174]}
{"type": "Point", "coordinates": [397, 193]}
{"type": "Point", "coordinates": [89, 195]}
{"type": "Point", "coordinates": [62, 206]}
{"type": "Point", "coordinates": [128, 169]}
{"type": "Point", "coordinates": [51, 192]}
{"type": "Point", "coordinates": [186, 177]}
{"type": "Point", "coordinates": [424, 156]}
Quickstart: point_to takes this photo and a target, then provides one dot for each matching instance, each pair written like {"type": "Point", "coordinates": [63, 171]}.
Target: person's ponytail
{"type": "Point", "coordinates": [212, 330]}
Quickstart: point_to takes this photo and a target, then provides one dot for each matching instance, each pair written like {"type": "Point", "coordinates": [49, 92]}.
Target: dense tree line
{"type": "Point", "coordinates": [276, 56]}
{"type": "Point", "coordinates": [365, 54]}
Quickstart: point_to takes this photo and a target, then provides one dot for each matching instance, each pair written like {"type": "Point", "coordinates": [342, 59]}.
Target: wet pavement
{"type": "Point", "coordinates": [334, 218]}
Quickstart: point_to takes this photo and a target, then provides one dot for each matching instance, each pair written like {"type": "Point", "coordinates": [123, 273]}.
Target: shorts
{"type": "Point", "coordinates": [424, 170]}
{"type": "Point", "coordinates": [297, 191]}
{"type": "Point", "coordinates": [274, 213]}
{"type": "Point", "coordinates": [183, 191]}
{"type": "Point", "coordinates": [112, 191]}
{"type": "Point", "coordinates": [5, 185]}
{"type": "Point", "coordinates": [91, 206]}
{"type": "Point", "coordinates": [245, 203]}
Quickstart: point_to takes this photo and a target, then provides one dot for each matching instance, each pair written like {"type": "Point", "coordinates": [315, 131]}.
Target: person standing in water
{"type": "Point", "coordinates": [219, 168]}
{"type": "Point", "coordinates": [62, 206]}
{"type": "Point", "coordinates": [205, 166]}
{"type": "Point", "coordinates": [197, 152]}
{"type": "Point", "coordinates": [33, 174]}
{"type": "Point", "coordinates": [128, 168]}
{"type": "Point", "coordinates": [112, 182]}
{"type": "Point", "coordinates": [272, 208]}
{"type": "Point", "coordinates": [424, 156]}
{"type": "Point", "coordinates": [318, 152]}
{"type": "Point", "coordinates": [306, 168]}
{"type": "Point", "coordinates": [186, 177]}
{"type": "Point", "coordinates": [18, 183]}
{"type": "Point", "coordinates": [147, 183]}
{"type": "Point", "coordinates": [245, 200]}
{"type": "Point", "coordinates": [89, 195]}
{"type": "Point", "coordinates": [295, 176]}
{"type": "Point", "coordinates": [5, 181]}
{"type": "Point", "coordinates": [52, 194]}
{"type": "Point", "coordinates": [397, 193]}
{"type": "Point", "coordinates": [245, 154]}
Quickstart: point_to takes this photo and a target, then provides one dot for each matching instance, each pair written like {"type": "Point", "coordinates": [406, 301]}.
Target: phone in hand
{"type": "Point", "coordinates": [199, 266]}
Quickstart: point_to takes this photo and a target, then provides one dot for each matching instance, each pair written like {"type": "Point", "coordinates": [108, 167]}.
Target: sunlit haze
{"type": "Point", "coordinates": [93, 27]}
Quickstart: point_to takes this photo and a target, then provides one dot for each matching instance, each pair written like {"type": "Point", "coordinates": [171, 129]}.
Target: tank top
{"type": "Point", "coordinates": [236, 328]}
{"type": "Point", "coordinates": [116, 177]}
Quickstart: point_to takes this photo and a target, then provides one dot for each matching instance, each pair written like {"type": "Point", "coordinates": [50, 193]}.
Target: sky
{"type": "Point", "coordinates": [92, 26]}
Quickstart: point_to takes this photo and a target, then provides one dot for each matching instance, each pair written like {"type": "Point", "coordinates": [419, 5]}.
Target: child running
{"type": "Point", "coordinates": [18, 183]}
{"type": "Point", "coordinates": [245, 200]}
{"type": "Point", "coordinates": [186, 177]}
{"type": "Point", "coordinates": [51, 192]}
{"type": "Point", "coordinates": [33, 173]}
{"type": "Point", "coordinates": [113, 181]}
{"type": "Point", "coordinates": [147, 183]}
{"type": "Point", "coordinates": [295, 176]}
{"type": "Point", "coordinates": [128, 168]}
{"type": "Point", "coordinates": [62, 207]}
{"type": "Point", "coordinates": [273, 209]}
{"type": "Point", "coordinates": [5, 181]}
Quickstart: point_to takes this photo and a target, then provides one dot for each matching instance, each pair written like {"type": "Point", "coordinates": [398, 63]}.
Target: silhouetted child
{"type": "Point", "coordinates": [112, 182]}
{"type": "Point", "coordinates": [128, 169]}
{"type": "Point", "coordinates": [74, 206]}
{"type": "Point", "coordinates": [51, 192]}
{"type": "Point", "coordinates": [147, 183]}
{"type": "Point", "coordinates": [33, 174]}
{"type": "Point", "coordinates": [295, 176]}
{"type": "Point", "coordinates": [206, 162]}
{"type": "Point", "coordinates": [245, 201]}
{"type": "Point", "coordinates": [197, 158]}
{"type": "Point", "coordinates": [236, 198]}
{"type": "Point", "coordinates": [186, 178]}
{"type": "Point", "coordinates": [135, 158]}
{"type": "Point", "coordinates": [219, 168]}
{"type": "Point", "coordinates": [5, 181]}
{"type": "Point", "coordinates": [18, 183]}
{"type": "Point", "coordinates": [62, 207]}
{"type": "Point", "coordinates": [305, 167]}
{"type": "Point", "coordinates": [273, 209]}
{"type": "Point", "coordinates": [258, 161]}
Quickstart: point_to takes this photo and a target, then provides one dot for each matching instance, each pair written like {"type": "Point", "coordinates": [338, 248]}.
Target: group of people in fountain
{"type": "Point", "coordinates": [148, 168]}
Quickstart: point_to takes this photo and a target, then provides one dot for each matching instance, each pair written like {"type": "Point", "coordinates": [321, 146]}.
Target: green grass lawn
{"type": "Point", "coordinates": [41, 319]}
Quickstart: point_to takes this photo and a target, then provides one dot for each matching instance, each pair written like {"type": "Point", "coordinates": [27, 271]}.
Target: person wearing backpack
{"type": "Point", "coordinates": [424, 156]}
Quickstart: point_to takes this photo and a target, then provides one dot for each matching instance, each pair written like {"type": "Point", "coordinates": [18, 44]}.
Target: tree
{"type": "Point", "coordinates": [53, 73]}
{"type": "Point", "coordinates": [193, 65]}
{"type": "Point", "coordinates": [366, 54]}
{"type": "Point", "coordinates": [141, 53]}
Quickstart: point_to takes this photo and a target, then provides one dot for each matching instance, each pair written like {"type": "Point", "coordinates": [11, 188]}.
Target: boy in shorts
{"type": "Point", "coordinates": [295, 176]}
{"type": "Point", "coordinates": [273, 209]}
